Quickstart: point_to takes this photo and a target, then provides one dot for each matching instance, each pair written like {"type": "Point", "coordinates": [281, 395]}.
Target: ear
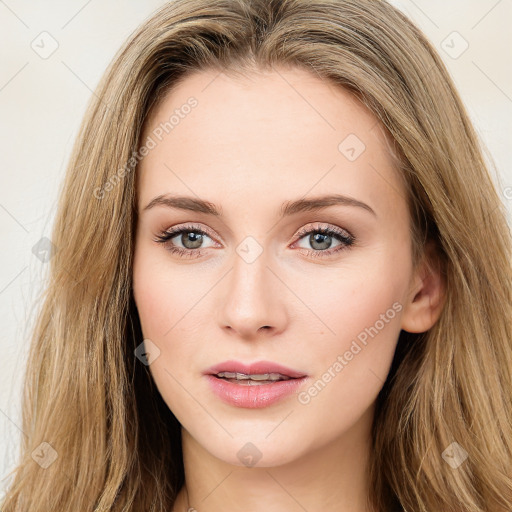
{"type": "Point", "coordinates": [426, 294]}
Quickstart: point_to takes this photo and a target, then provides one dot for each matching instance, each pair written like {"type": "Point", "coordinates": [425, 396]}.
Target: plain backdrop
{"type": "Point", "coordinates": [53, 55]}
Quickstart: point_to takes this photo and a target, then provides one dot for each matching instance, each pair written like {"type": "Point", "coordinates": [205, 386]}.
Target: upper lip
{"type": "Point", "coordinates": [256, 368]}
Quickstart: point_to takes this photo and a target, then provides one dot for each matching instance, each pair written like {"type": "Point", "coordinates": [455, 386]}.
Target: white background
{"type": "Point", "coordinates": [42, 102]}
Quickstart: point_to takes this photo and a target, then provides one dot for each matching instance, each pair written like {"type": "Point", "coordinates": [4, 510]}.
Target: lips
{"type": "Point", "coordinates": [272, 371]}
{"type": "Point", "coordinates": [254, 385]}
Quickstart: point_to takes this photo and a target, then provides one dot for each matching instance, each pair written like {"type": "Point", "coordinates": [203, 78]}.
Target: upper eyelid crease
{"type": "Point", "coordinates": [288, 208]}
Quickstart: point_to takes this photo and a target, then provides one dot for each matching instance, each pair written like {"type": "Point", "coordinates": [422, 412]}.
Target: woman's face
{"type": "Point", "coordinates": [260, 281]}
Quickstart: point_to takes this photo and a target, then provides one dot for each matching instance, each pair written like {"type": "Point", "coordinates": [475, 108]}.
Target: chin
{"type": "Point", "coordinates": [258, 452]}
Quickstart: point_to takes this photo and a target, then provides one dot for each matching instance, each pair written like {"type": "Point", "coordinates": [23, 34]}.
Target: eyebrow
{"type": "Point", "coordinates": [288, 207]}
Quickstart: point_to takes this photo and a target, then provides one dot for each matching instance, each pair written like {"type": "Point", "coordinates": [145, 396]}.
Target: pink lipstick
{"type": "Point", "coordinates": [255, 385]}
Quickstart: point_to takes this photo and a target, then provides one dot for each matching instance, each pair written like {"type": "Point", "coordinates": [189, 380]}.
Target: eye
{"type": "Point", "coordinates": [320, 238]}
{"type": "Point", "coordinates": [190, 237]}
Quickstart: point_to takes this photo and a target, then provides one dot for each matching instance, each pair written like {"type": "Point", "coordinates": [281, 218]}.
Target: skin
{"type": "Point", "coordinates": [251, 144]}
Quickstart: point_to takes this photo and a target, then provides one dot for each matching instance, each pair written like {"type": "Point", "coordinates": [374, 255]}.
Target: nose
{"type": "Point", "coordinates": [252, 300]}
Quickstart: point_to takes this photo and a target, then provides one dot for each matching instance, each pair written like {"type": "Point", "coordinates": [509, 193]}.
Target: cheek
{"type": "Point", "coordinates": [359, 331]}
{"type": "Point", "coordinates": [150, 298]}
{"type": "Point", "coordinates": [160, 306]}
{"type": "Point", "coordinates": [174, 313]}
{"type": "Point", "coordinates": [351, 299]}
{"type": "Point", "coordinates": [360, 313]}
{"type": "Point", "coordinates": [163, 296]}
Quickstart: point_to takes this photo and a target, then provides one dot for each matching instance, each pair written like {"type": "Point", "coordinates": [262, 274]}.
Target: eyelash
{"type": "Point", "coordinates": [343, 236]}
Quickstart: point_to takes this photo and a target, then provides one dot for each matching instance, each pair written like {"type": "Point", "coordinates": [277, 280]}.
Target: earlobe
{"type": "Point", "coordinates": [426, 297]}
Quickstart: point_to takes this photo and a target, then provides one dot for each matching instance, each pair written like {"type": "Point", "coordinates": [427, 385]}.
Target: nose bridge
{"type": "Point", "coordinates": [250, 280]}
{"type": "Point", "coordinates": [251, 299]}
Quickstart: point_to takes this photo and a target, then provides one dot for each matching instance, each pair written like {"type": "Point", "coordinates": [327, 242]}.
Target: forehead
{"type": "Point", "coordinates": [254, 135]}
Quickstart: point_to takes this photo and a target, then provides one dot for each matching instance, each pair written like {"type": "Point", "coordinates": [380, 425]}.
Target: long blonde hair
{"type": "Point", "coordinates": [117, 444]}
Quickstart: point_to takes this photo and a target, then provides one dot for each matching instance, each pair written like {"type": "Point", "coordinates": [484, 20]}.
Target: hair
{"type": "Point", "coordinates": [118, 445]}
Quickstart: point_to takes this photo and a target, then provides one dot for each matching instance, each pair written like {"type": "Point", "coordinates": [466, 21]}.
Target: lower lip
{"type": "Point", "coordinates": [253, 396]}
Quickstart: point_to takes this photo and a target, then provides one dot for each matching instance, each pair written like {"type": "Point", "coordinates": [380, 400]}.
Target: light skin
{"type": "Point", "coordinates": [250, 145]}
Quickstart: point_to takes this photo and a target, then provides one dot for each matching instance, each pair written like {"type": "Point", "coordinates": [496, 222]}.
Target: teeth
{"type": "Point", "coordinates": [261, 376]}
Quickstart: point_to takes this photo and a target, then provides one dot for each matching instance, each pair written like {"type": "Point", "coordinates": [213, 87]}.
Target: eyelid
{"type": "Point", "coordinates": [319, 226]}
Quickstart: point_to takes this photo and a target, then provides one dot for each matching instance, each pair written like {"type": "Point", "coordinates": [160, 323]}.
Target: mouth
{"type": "Point", "coordinates": [255, 385]}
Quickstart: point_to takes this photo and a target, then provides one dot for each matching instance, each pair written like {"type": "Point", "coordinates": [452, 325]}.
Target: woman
{"type": "Point", "coordinates": [282, 278]}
